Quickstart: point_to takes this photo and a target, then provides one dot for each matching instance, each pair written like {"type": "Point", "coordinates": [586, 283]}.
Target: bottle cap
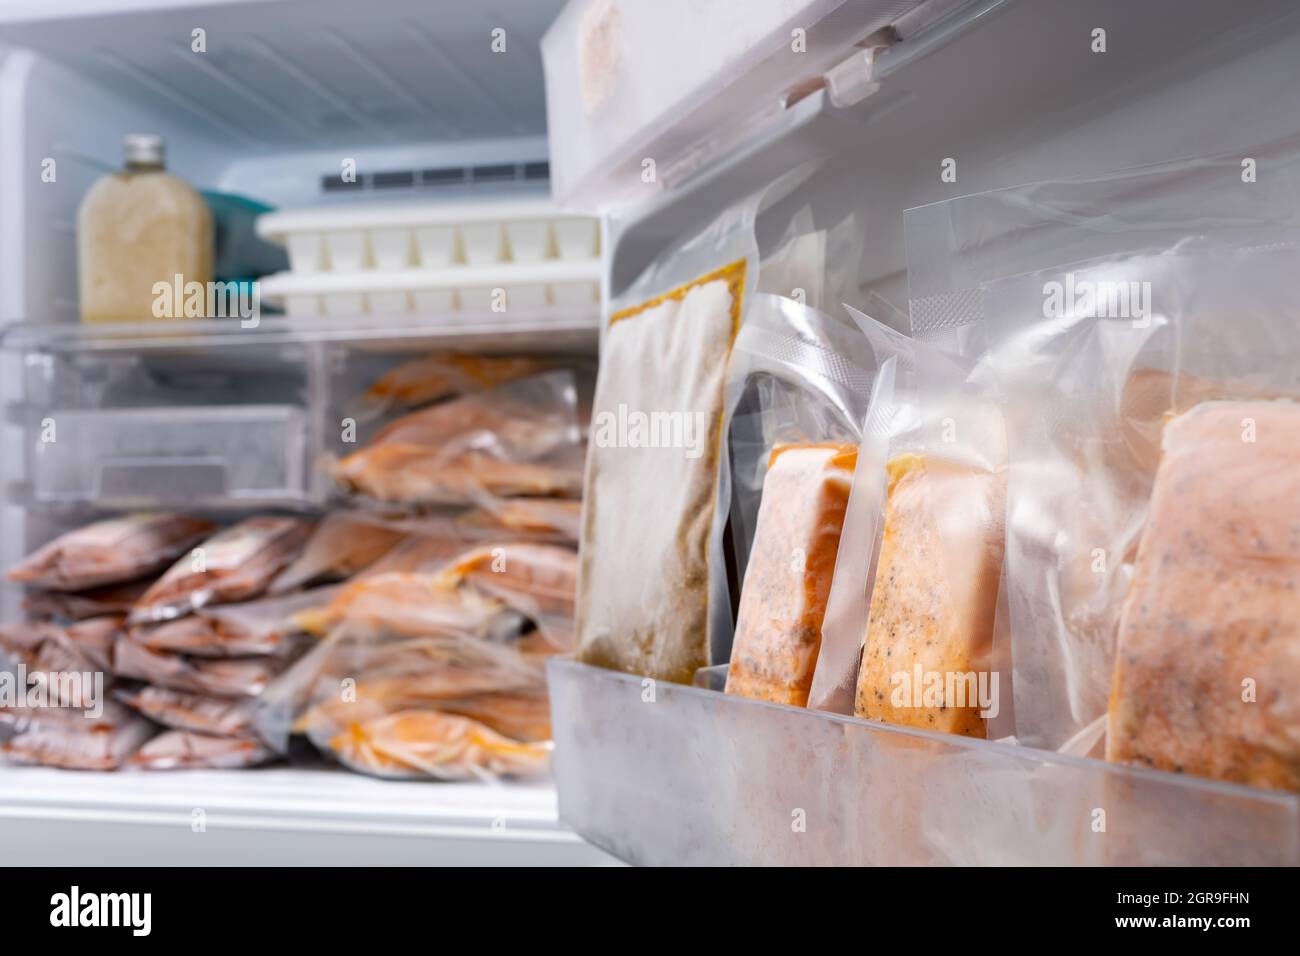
{"type": "Point", "coordinates": [143, 149]}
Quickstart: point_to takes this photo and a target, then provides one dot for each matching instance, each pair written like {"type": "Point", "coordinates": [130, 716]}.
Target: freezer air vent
{"type": "Point", "coordinates": [495, 173]}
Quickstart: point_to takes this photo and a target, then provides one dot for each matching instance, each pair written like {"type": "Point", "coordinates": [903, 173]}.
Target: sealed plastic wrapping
{"type": "Point", "coordinates": [540, 581]}
{"type": "Point", "coordinates": [201, 713]}
{"type": "Point", "coordinates": [224, 677]}
{"type": "Point", "coordinates": [79, 605]}
{"type": "Point", "coordinates": [432, 378]}
{"type": "Point", "coordinates": [264, 626]}
{"type": "Point", "coordinates": [804, 381]}
{"type": "Point", "coordinates": [653, 596]}
{"type": "Point", "coordinates": [909, 628]}
{"type": "Point", "coordinates": [505, 441]}
{"type": "Point", "coordinates": [101, 748]}
{"type": "Point", "coordinates": [236, 564]}
{"type": "Point", "coordinates": [341, 546]}
{"type": "Point", "coordinates": [183, 750]}
{"type": "Point", "coordinates": [111, 551]}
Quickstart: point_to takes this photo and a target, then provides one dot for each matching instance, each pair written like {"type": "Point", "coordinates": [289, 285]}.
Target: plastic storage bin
{"type": "Point", "coordinates": [659, 773]}
{"type": "Point", "coordinates": [155, 456]}
{"type": "Point", "coordinates": [433, 257]}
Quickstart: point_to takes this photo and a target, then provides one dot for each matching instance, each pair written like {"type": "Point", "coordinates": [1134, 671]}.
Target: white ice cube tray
{"type": "Point", "coordinates": [433, 257]}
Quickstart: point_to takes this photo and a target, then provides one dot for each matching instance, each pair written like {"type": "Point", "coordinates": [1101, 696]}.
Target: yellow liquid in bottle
{"type": "Point", "coordinates": [136, 228]}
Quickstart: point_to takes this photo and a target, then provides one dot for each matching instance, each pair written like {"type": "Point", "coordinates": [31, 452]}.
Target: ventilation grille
{"type": "Point", "coordinates": [494, 173]}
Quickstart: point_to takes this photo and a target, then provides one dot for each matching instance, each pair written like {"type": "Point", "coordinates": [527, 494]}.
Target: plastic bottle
{"type": "Point", "coordinates": [138, 227]}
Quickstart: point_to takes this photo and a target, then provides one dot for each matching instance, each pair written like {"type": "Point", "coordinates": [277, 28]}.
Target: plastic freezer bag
{"type": "Point", "coordinates": [232, 677]}
{"type": "Point", "coordinates": [432, 378]}
{"type": "Point", "coordinates": [540, 581]}
{"type": "Point", "coordinates": [111, 551]}
{"type": "Point", "coordinates": [183, 750]}
{"type": "Point", "coordinates": [79, 605]}
{"type": "Point", "coordinates": [236, 564]}
{"type": "Point", "coordinates": [543, 518]}
{"type": "Point", "coordinates": [342, 545]}
{"type": "Point", "coordinates": [97, 748]}
{"type": "Point", "coordinates": [1093, 388]}
{"type": "Point", "coordinates": [1208, 654]}
{"type": "Point", "coordinates": [653, 596]}
{"type": "Point", "coordinates": [258, 627]}
{"type": "Point", "coordinates": [493, 442]}
{"type": "Point", "coordinates": [200, 713]}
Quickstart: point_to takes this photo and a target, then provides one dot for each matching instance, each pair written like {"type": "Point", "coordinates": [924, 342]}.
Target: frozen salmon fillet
{"type": "Point", "coordinates": [930, 624]}
{"type": "Point", "coordinates": [543, 517]}
{"type": "Point", "coordinates": [183, 750]}
{"type": "Point", "coordinates": [426, 743]}
{"type": "Point", "coordinates": [412, 474]}
{"type": "Point", "coordinates": [236, 564]}
{"type": "Point", "coordinates": [265, 626]}
{"type": "Point", "coordinates": [788, 577]}
{"type": "Point", "coordinates": [79, 605]}
{"type": "Point", "coordinates": [540, 581]}
{"type": "Point", "coordinates": [201, 713]}
{"type": "Point", "coordinates": [1208, 653]}
{"type": "Point", "coordinates": [415, 604]}
{"type": "Point", "coordinates": [342, 545]}
{"type": "Point", "coordinates": [111, 551]}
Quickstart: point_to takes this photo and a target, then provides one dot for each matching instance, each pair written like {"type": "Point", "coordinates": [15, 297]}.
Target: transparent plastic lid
{"type": "Point", "coordinates": [638, 94]}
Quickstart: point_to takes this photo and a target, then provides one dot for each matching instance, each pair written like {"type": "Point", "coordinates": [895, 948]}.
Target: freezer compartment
{"type": "Point", "coordinates": [146, 457]}
{"type": "Point", "coordinates": [658, 773]}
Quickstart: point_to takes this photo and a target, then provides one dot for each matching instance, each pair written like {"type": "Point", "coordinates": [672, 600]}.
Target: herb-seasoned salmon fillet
{"type": "Point", "coordinates": [1208, 654]}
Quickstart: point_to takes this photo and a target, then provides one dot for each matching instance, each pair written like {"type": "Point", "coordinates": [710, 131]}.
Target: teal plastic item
{"type": "Point", "coordinates": [240, 254]}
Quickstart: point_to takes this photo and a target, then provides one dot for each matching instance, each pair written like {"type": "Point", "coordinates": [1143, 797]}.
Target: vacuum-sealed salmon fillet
{"type": "Point", "coordinates": [409, 474]}
{"type": "Point", "coordinates": [111, 551]}
{"type": "Point", "coordinates": [264, 626]}
{"type": "Point", "coordinates": [426, 743]}
{"type": "Point", "coordinates": [342, 545]}
{"type": "Point", "coordinates": [926, 657]}
{"type": "Point", "coordinates": [1207, 662]}
{"type": "Point", "coordinates": [236, 564]}
{"type": "Point", "coordinates": [183, 750]}
{"type": "Point", "coordinates": [200, 713]}
{"type": "Point", "coordinates": [234, 677]}
{"type": "Point", "coordinates": [543, 517]}
{"type": "Point", "coordinates": [99, 748]}
{"type": "Point", "coordinates": [788, 577]}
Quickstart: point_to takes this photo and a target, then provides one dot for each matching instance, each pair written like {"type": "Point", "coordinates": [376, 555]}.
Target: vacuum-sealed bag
{"type": "Point", "coordinates": [183, 750]}
{"type": "Point", "coordinates": [432, 378]}
{"type": "Point", "coordinates": [111, 551]}
{"type": "Point", "coordinates": [494, 442]}
{"type": "Point", "coordinates": [200, 713]}
{"type": "Point", "coordinates": [803, 382]}
{"type": "Point", "coordinates": [97, 748]}
{"type": "Point", "coordinates": [80, 605]}
{"type": "Point", "coordinates": [258, 627]}
{"type": "Point", "coordinates": [910, 623]}
{"type": "Point", "coordinates": [653, 596]}
{"type": "Point", "coordinates": [236, 564]}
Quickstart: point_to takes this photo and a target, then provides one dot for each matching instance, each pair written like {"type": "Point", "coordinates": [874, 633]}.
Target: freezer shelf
{"type": "Point", "coordinates": [276, 817]}
{"type": "Point", "coordinates": [543, 330]}
{"type": "Point", "coordinates": [659, 773]}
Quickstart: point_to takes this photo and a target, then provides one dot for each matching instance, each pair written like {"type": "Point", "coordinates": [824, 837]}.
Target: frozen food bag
{"type": "Point", "coordinates": [106, 715]}
{"type": "Point", "coordinates": [99, 748]}
{"type": "Point", "coordinates": [540, 581]}
{"type": "Point", "coordinates": [341, 546]}
{"type": "Point", "coordinates": [1207, 662]}
{"type": "Point", "coordinates": [543, 518]}
{"type": "Point", "coordinates": [493, 442]}
{"type": "Point", "coordinates": [426, 743]}
{"type": "Point", "coordinates": [231, 677]}
{"type": "Point", "coordinates": [111, 551]}
{"type": "Point", "coordinates": [653, 596]}
{"type": "Point", "coordinates": [414, 604]}
{"type": "Point", "coordinates": [435, 377]}
{"type": "Point", "coordinates": [201, 713]}
{"type": "Point", "coordinates": [236, 564]}
{"type": "Point", "coordinates": [788, 577]}
{"type": "Point", "coordinates": [802, 382]}
{"type": "Point", "coordinates": [265, 626]}
{"type": "Point", "coordinates": [79, 605]}
{"type": "Point", "coordinates": [184, 750]}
